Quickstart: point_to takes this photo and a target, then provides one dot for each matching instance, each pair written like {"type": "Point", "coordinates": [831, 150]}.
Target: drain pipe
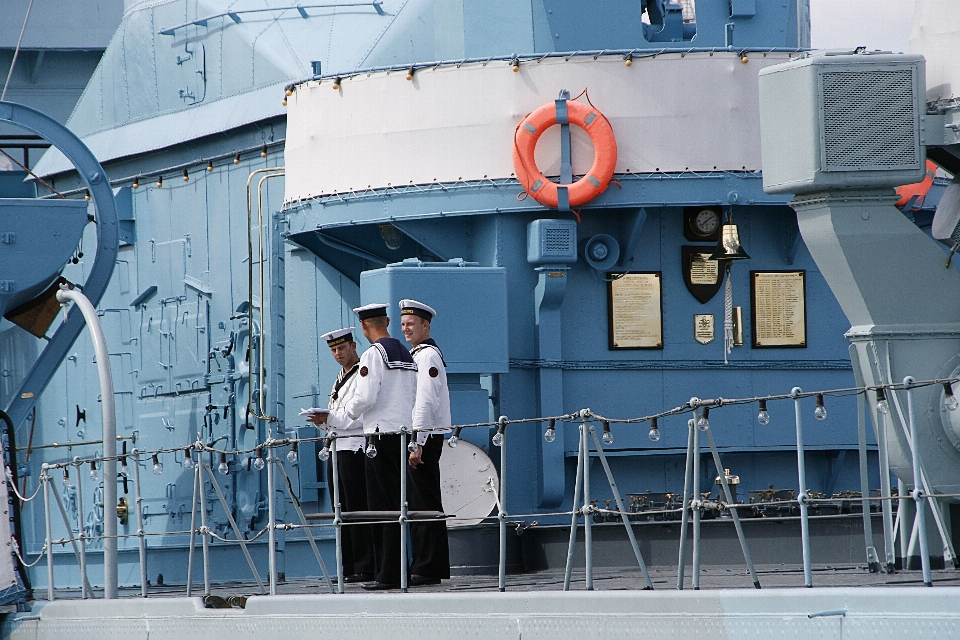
{"type": "Point", "coordinates": [108, 407]}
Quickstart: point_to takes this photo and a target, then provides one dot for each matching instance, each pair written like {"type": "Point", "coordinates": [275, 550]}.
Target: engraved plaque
{"type": "Point", "coordinates": [779, 308]}
{"type": "Point", "coordinates": [703, 330]}
{"type": "Point", "coordinates": [703, 270]}
{"type": "Point", "coordinates": [635, 314]}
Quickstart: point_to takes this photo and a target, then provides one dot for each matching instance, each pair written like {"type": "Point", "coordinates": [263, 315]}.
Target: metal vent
{"type": "Point", "coordinates": [556, 242]}
{"type": "Point", "coordinates": [869, 120]}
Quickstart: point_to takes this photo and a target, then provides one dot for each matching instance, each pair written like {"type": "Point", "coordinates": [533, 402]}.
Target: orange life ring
{"type": "Point", "coordinates": [918, 190]}
{"type": "Point", "coordinates": [596, 179]}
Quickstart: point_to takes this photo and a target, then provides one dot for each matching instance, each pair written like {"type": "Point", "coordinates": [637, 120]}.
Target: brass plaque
{"type": "Point", "coordinates": [779, 308]}
{"type": "Point", "coordinates": [703, 327]}
{"type": "Point", "coordinates": [703, 270]}
{"type": "Point", "coordinates": [635, 313]}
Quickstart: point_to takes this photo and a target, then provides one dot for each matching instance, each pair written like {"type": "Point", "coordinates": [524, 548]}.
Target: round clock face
{"type": "Point", "coordinates": [706, 222]}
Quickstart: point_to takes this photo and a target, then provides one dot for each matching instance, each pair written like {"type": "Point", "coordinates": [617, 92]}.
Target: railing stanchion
{"type": "Point", "coordinates": [695, 504]}
{"type": "Point", "coordinates": [205, 527]}
{"type": "Point", "coordinates": [685, 514]}
{"type": "Point", "coordinates": [572, 544]}
{"type": "Point", "coordinates": [802, 495]}
{"type": "Point", "coordinates": [141, 541]}
{"type": "Point", "coordinates": [402, 522]}
{"type": "Point", "coordinates": [45, 479]}
{"type": "Point", "coordinates": [337, 515]}
{"type": "Point", "coordinates": [197, 481]}
{"type": "Point", "coordinates": [502, 515]}
{"type": "Point", "coordinates": [271, 523]}
{"type": "Point", "coordinates": [587, 511]}
{"type": "Point", "coordinates": [918, 497]}
{"type": "Point", "coordinates": [80, 533]}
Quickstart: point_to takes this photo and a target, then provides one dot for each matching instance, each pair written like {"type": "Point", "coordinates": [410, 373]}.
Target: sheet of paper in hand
{"type": "Point", "coordinates": [313, 411]}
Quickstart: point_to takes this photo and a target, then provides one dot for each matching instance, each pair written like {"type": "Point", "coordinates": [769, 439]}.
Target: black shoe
{"type": "Point", "coordinates": [416, 580]}
{"type": "Point", "coordinates": [357, 577]}
{"type": "Point", "coordinates": [378, 586]}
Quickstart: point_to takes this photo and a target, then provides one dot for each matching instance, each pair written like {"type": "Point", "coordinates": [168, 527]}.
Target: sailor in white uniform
{"type": "Point", "coordinates": [357, 543]}
{"type": "Point", "coordinates": [383, 400]}
{"type": "Point", "coordinates": [431, 419]}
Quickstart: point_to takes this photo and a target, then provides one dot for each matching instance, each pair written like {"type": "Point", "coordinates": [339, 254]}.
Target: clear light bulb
{"type": "Point", "coordinates": [157, 467]}
{"type": "Point", "coordinates": [949, 401]}
{"type": "Point", "coordinates": [259, 463]}
{"type": "Point", "coordinates": [820, 413]}
{"type": "Point", "coordinates": [883, 407]}
{"type": "Point", "coordinates": [188, 462]}
{"type": "Point", "coordinates": [452, 441]}
{"type": "Point", "coordinates": [325, 453]}
{"type": "Point", "coordinates": [550, 434]}
{"type": "Point", "coordinates": [763, 416]}
{"type": "Point", "coordinates": [412, 446]}
{"type": "Point", "coordinates": [704, 422]}
{"type": "Point", "coordinates": [497, 439]}
{"type": "Point", "coordinates": [67, 482]}
{"type": "Point", "coordinates": [293, 455]}
{"type": "Point", "coordinates": [93, 470]}
{"type": "Point", "coordinates": [654, 434]}
{"type": "Point", "coordinates": [124, 471]}
{"type": "Point", "coordinates": [371, 449]}
{"type": "Point", "coordinates": [223, 468]}
{"type": "Point", "coordinates": [607, 437]}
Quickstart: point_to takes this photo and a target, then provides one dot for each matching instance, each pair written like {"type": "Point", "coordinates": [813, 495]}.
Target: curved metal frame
{"type": "Point", "coordinates": [93, 175]}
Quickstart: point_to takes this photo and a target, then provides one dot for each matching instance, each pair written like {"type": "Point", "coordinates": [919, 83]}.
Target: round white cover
{"type": "Point", "coordinates": [468, 482]}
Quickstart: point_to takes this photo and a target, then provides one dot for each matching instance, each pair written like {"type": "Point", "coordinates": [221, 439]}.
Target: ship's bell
{"type": "Point", "coordinates": [729, 247]}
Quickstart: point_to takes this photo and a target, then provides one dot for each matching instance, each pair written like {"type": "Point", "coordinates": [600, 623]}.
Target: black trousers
{"type": "Point", "coordinates": [383, 494]}
{"type": "Point", "coordinates": [431, 551]}
{"type": "Point", "coordinates": [356, 539]}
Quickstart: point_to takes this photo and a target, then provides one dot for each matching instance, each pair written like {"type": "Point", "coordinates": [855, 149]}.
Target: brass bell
{"type": "Point", "coordinates": [729, 247]}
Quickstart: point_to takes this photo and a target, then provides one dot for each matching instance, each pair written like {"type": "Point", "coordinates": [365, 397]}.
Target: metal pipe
{"type": "Point", "coordinates": [80, 533]}
{"type": "Point", "coordinates": [206, 529]}
{"type": "Point", "coordinates": [685, 514]}
{"type": "Point", "coordinates": [337, 519]}
{"type": "Point", "coordinates": [109, 412]}
{"type": "Point", "coordinates": [404, 527]}
{"type": "Point", "coordinates": [45, 479]}
{"type": "Point", "coordinates": [587, 511]}
{"type": "Point", "coordinates": [193, 525]}
{"type": "Point", "coordinates": [502, 515]}
{"type": "Point", "coordinates": [571, 545]}
{"type": "Point", "coordinates": [623, 512]}
{"type": "Point", "coordinates": [918, 497]}
{"type": "Point", "coordinates": [695, 503]}
{"type": "Point", "coordinates": [141, 541]}
{"type": "Point", "coordinates": [732, 507]}
{"type": "Point", "coordinates": [802, 496]}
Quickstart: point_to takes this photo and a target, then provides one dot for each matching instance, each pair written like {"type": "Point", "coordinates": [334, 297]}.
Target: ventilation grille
{"type": "Point", "coordinates": [557, 242]}
{"type": "Point", "coordinates": [869, 121]}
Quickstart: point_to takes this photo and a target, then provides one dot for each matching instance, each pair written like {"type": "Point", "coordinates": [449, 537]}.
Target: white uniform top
{"type": "Point", "coordinates": [338, 401]}
{"type": "Point", "coordinates": [384, 394]}
{"type": "Point", "coordinates": [431, 412]}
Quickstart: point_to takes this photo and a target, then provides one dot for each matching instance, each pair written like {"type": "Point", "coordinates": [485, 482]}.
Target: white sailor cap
{"type": "Point", "coordinates": [414, 308]}
{"type": "Point", "coordinates": [339, 336]}
{"type": "Point", "coordinates": [371, 310]}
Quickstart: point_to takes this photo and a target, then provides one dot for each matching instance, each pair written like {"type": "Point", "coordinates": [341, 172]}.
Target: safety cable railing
{"type": "Point", "coordinates": [694, 503]}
